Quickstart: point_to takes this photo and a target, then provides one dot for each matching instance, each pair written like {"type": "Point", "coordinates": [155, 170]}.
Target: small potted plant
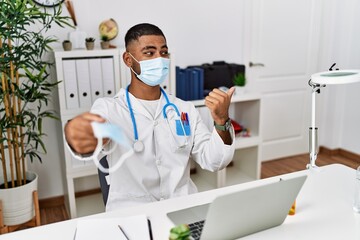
{"type": "Point", "coordinates": [67, 45]}
{"type": "Point", "coordinates": [180, 232]}
{"type": "Point", "coordinates": [89, 42]}
{"type": "Point", "coordinates": [105, 43]}
{"type": "Point", "coordinates": [239, 81]}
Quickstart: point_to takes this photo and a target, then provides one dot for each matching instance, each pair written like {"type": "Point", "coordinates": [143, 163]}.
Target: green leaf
{"type": "Point", "coordinates": [26, 25]}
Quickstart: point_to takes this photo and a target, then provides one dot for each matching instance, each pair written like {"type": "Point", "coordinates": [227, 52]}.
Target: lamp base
{"type": "Point", "coordinates": [312, 167]}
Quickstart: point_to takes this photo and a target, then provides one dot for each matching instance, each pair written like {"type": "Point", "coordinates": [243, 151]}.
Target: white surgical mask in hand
{"type": "Point", "coordinates": [115, 133]}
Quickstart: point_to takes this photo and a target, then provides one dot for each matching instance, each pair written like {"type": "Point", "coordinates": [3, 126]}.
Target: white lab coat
{"type": "Point", "coordinates": [162, 170]}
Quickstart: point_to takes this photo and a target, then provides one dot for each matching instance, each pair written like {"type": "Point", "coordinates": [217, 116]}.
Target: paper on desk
{"type": "Point", "coordinates": [135, 227]}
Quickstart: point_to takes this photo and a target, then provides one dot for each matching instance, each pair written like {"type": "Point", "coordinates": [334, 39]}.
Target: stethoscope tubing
{"type": "Point", "coordinates": [168, 104]}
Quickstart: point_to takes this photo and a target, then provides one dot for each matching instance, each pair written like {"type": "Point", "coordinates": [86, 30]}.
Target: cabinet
{"type": "Point", "coordinates": [85, 76]}
{"type": "Point", "coordinates": [244, 109]}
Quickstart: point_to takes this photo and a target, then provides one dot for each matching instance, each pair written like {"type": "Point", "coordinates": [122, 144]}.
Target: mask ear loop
{"type": "Point", "coordinates": [117, 164]}
{"type": "Point", "coordinates": [109, 151]}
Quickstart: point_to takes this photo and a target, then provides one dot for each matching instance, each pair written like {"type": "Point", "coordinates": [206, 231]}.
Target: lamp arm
{"type": "Point", "coordinates": [313, 146]}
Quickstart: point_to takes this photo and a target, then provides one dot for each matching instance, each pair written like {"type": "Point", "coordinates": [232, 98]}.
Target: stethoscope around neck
{"type": "Point", "coordinates": [138, 145]}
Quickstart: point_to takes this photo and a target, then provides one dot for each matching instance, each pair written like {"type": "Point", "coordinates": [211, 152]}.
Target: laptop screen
{"type": "Point", "coordinates": [245, 211]}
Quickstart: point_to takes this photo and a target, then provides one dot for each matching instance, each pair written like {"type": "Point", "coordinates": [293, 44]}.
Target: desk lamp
{"type": "Point", "coordinates": [317, 81]}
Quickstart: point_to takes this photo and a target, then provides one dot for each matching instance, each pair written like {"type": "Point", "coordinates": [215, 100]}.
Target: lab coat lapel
{"type": "Point", "coordinates": [159, 109]}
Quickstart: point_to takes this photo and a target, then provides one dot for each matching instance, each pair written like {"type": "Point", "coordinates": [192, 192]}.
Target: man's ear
{"type": "Point", "coordinates": [127, 59]}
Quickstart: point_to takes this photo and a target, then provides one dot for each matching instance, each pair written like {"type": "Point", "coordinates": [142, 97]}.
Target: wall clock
{"type": "Point", "coordinates": [48, 3]}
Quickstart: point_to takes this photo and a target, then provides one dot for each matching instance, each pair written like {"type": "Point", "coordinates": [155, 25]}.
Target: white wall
{"type": "Point", "coordinates": [207, 30]}
{"type": "Point", "coordinates": [340, 113]}
{"type": "Point", "coordinates": [199, 31]}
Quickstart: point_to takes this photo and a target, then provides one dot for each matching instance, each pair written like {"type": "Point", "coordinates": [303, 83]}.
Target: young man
{"type": "Point", "coordinates": [165, 130]}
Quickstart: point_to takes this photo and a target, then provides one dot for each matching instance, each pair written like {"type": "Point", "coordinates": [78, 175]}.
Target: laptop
{"type": "Point", "coordinates": [242, 212]}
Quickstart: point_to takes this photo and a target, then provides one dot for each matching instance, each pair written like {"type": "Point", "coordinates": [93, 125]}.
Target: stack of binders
{"type": "Point", "coordinates": [190, 83]}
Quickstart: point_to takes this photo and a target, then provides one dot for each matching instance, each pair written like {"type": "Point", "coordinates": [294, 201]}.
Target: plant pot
{"type": "Point", "coordinates": [67, 46]}
{"type": "Point", "coordinates": [105, 44]}
{"type": "Point", "coordinates": [89, 45]}
{"type": "Point", "coordinates": [239, 90]}
{"type": "Point", "coordinates": [17, 203]}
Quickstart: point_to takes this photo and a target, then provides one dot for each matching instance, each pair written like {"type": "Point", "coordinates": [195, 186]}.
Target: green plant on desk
{"type": "Point", "coordinates": [180, 232]}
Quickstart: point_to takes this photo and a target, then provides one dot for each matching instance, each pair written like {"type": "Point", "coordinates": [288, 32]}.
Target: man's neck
{"type": "Point", "coordinates": [142, 91]}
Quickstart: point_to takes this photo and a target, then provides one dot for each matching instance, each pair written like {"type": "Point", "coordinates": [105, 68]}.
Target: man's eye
{"type": "Point", "coordinates": [166, 54]}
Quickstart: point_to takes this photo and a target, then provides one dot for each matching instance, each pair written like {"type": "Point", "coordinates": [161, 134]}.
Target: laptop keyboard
{"type": "Point", "coordinates": [196, 229]}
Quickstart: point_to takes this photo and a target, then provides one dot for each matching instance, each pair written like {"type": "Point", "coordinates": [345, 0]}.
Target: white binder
{"type": "Point", "coordinates": [96, 80]}
{"type": "Point", "coordinates": [70, 82]}
{"type": "Point", "coordinates": [107, 65]}
{"type": "Point", "coordinates": [83, 77]}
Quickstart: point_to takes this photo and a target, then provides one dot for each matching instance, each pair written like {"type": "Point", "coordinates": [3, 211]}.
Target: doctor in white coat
{"type": "Point", "coordinates": [165, 131]}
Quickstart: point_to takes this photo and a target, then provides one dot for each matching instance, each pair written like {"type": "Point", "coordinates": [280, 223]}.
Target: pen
{"type": "Point", "coordinates": [150, 230]}
{"type": "Point", "coordinates": [122, 230]}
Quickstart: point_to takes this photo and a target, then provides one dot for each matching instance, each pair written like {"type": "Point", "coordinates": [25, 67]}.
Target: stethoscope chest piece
{"type": "Point", "coordinates": [138, 146]}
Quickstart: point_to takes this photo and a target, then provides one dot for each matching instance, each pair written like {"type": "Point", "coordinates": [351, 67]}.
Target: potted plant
{"type": "Point", "coordinates": [105, 43]}
{"type": "Point", "coordinates": [25, 90]}
{"type": "Point", "coordinates": [90, 42]}
{"type": "Point", "coordinates": [239, 81]}
{"type": "Point", "coordinates": [67, 45]}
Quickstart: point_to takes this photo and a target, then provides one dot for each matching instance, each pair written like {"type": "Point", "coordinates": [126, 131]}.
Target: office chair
{"type": "Point", "coordinates": [103, 183]}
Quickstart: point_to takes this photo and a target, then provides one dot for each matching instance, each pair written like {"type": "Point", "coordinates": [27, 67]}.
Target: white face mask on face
{"type": "Point", "coordinates": [154, 71]}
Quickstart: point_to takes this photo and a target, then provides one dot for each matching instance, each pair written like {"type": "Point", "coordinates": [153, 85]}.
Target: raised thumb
{"type": "Point", "coordinates": [231, 91]}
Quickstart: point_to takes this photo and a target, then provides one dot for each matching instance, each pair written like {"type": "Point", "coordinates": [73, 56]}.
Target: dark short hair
{"type": "Point", "coordinates": [140, 30]}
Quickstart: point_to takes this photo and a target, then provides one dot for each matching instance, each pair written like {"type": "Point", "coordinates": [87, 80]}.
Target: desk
{"type": "Point", "coordinates": [324, 211]}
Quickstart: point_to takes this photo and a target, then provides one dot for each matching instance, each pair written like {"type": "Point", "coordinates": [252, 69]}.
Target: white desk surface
{"type": "Point", "coordinates": [323, 211]}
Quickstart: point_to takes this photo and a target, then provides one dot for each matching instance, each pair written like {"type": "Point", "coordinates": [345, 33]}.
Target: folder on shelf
{"type": "Point", "coordinates": [133, 227]}
{"type": "Point", "coordinates": [190, 83]}
{"type": "Point", "coordinates": [107, 67]}
{"type": "Point", "coordinates": [96, 81]}
{"type": "Point", "coordinates": [180, 83]}
{"type": "Point", "coordinates": [70, 82]}
{"type": "Point", "coordinates": [199, 89]}
{"type": "Point", "coordinates": [83, 79]}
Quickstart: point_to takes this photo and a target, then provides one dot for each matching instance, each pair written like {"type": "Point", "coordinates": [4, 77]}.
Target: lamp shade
{"type": "Point", "coordinates": [336, 77]}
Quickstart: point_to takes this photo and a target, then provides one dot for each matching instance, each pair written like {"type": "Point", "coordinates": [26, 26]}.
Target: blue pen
{"type": "Point", "coordinates": [186, 119]}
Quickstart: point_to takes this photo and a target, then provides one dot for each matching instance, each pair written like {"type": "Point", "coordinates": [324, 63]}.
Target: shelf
{"type": "Point", "coordinates": [244, 109]}
{"type": "Point", "coordinates": [235, 98]}
{"type": "Point", "coordinates": [79, 53]}
{"type": "Point", "coordinates": [244, 142]}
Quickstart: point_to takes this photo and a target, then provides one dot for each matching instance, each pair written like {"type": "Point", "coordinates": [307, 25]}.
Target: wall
{"type": "Point", "coordinates": [351, 123]}
{"type": "Point", "coordinates": [198, 31]}
{"type": "Point", "coordinates": [339, 111]}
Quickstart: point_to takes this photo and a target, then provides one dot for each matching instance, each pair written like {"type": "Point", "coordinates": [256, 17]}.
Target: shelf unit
{"type": "Point", "coordinates": [244, 109]}
{"type": "Point", "coordinates": [76, 70]}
